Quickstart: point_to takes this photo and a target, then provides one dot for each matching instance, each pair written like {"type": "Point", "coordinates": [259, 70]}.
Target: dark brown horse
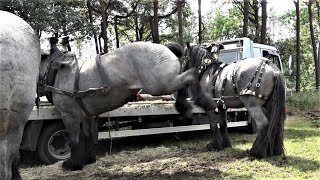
{"type": "Point", "coordinates": [256, 84]}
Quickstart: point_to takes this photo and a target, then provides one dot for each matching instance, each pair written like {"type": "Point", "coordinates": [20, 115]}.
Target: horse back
{"type": "Point", "coordinates": [140, 64]}
{"type": "Point", "coordinates": [236, 79]}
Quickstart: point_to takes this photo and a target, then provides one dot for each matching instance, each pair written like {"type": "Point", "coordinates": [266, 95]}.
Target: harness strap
{"type": "Point", "coordinates": [215, 72]}
{"type": "Point", "coordinates": [255, 91]}
{"type": "Point", "coordinates": [76, 90]}
{"type": "Point", "coordinates": [102, 72]}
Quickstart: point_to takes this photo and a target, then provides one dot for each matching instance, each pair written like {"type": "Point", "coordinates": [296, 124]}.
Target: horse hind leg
{"type": "Point", "coordinates": [259, 148]}
{"type": "Point", "coordinates": [15, 169]}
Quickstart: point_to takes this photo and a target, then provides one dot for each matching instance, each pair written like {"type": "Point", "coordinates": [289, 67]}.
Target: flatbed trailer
{"type": "Point", "coordinates": [45, 133]}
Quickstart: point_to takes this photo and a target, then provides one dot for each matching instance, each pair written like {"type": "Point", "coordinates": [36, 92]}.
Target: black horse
{"type": "Point", "coordinates": [255, 83]}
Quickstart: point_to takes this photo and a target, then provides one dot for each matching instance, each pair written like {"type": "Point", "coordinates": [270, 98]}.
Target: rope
{"type": "Point", "coordinates": [109, 124]}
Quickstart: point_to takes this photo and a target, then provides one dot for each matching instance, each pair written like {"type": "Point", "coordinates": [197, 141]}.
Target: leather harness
{"type": "Point", "coordinates": [250, 89]}
{"type": "Point", "coordinates": [77, 94]}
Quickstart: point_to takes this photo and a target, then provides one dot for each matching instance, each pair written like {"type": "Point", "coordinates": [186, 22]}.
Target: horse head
{"type": "Point", "coordinates": [199, 56]}
{"type": "Point", "coordinates": [52, 61]}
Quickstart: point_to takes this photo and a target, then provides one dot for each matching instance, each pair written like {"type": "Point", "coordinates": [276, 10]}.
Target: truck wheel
{"type": "Point", "coordinates": [53, 144]}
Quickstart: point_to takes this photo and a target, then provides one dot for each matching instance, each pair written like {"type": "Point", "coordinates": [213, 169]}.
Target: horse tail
{"type": "Point", "coordinates": [176, 49]}
{"type": "Point", "coordinates": [277, 112]}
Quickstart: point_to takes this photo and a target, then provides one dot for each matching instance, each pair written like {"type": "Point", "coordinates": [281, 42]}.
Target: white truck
{"type": "Point", "coordinates": [45, 133]}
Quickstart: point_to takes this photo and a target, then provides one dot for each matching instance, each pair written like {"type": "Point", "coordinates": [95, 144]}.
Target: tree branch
{"type": "Point", "coordinates": [130, 13]}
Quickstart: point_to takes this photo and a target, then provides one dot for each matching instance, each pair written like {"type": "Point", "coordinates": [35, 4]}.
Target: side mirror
{"type": "Point", "coordinates": [290, 62]}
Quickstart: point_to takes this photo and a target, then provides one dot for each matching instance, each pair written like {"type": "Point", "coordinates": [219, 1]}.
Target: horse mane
{"type": "Point", "coordinates": [176, 49]}
{"type": "Point", "coordinates": [198, 53]}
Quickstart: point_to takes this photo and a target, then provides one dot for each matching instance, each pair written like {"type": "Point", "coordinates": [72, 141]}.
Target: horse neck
{"type": "Point", "coordinates": [211, 67]}
{"type": "Point", "coordinates": [43, 67]}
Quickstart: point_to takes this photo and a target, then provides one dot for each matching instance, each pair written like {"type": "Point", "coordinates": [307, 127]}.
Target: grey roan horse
{"type": "Point", "coordinates": [256, 84]}
{"type": "Point", "coordinates": [84, 90]}
{"type": "Point", "coordinates": [19, 67]}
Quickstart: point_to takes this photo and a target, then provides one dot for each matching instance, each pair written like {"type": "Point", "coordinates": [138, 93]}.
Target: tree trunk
{"type": "Point", "coordinates": [263, 39]}
{"type": "Point", "coordinates": [245, 18]}
{"type": "Point", "coordinates": [116, 31]}
{"type": "Point", "coordinates": [297, 45]}
{"type": "Point", "coordinates": [136, 23]}
{"type": "Point", "coordinates": [256, 20]}
{"type": "Point", "coordinates": [200, 21]}
{"type": "Point", "coordinates": [313, 43]}
{"type": "Point", "coordinates": [91, 22]}
{"type": "Point", "coordinates": [180, 23]}
{"type": "Point", "coordinates": [104, 26]}
{"type": "Point", "coordinates": [155, 33]}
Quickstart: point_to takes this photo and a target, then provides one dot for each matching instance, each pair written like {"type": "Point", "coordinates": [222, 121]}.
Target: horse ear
{"type": "Point", "coordinates": [220, 46]}
{"type": "Point", "coordinates": [208, 48]}
{"type": "Point", "coordinates": [188, 45]}
{"type": "Point", "coordinates": [53, 41]}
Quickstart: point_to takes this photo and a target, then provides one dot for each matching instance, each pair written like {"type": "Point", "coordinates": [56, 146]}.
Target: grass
{"type": "Point", "coordinates": [304, 101]}
{"type": "Point", "coordinates": [167, 157]}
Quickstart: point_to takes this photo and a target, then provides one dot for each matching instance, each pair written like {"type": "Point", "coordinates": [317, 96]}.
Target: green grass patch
{"type": "Point", "coordinates": [303, 101]}
{"type": "Point", "coordinates": [187, 158]}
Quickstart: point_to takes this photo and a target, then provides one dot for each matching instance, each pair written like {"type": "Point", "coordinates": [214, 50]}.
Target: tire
{"type": "Point", "coordinates": [53, 144]}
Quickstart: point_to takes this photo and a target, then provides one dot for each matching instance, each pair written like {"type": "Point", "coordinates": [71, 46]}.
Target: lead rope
{"type": "Point", "coordinates": [109, 124]}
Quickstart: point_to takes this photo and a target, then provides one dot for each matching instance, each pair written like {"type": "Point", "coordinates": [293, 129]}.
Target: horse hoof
{"type": "Point", "coordinates": [91, 160]}
{"type": "Point", "coordinates": [69, 166]}
{"type": "Point", "coordinates": [257, 154]}
{"type": "Point", "coordinates": [211, 147]}
{"type": "Point", "coordinates": [227, 145]}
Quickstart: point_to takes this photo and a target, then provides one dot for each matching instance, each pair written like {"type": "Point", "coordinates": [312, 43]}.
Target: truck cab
{"type": "Point", "coordinates": [243, 48]}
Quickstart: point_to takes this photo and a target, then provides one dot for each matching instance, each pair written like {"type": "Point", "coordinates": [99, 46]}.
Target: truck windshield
{"type": "Point", "coordinates": [275, 59]}
{"type": "Point", "coordinates": [229, 56]}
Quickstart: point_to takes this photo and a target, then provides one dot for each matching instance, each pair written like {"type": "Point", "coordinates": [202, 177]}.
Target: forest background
{"type": "Point", "coordinates": [100, 26]}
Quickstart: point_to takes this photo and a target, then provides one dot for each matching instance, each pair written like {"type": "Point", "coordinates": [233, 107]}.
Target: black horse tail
{"type": "Point", "coordinates": [276, 108]}
{"type": "Point", "coordinates": [176, 49]}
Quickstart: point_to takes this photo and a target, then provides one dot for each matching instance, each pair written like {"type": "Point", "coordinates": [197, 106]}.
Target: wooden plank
{"type": "Point", "coordinates": [164, 130]}
{"type": "Point", "coordinates": [147, 108]}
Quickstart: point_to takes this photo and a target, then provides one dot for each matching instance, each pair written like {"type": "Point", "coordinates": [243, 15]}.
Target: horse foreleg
{"type": "Point", "coordinates": [216, 140]}
{"type": "Point", "coordinates": [182, 106]}
{"type": "Point", "coordinates": [259, 148]}
{"type": "Point", "coordinates": [77, 144]}
{"type": "Point", "coordinates": [181, 83]}
{"type": "Point", "coordinates": [223, 128]}
{"type": "Point", "coordinates": [90, 129]}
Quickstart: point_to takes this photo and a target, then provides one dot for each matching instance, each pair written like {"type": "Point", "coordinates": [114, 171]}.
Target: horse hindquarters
{"type": "Point", "coordinates": [11, 131]}
{"type": "Point", "coordinates": [276, 109]}
{"type": "Point", "coordinates": [269, 141]}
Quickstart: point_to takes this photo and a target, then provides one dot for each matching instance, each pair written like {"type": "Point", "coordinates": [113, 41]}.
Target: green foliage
{"type": "Point", "coordinates": [52, 16]}
{"type": "Point", "coordinates": [224, 25]}
{"type": "Point", "coordinates": [287, 47]}
{"type": "Point", "coordinates": [303, 101]}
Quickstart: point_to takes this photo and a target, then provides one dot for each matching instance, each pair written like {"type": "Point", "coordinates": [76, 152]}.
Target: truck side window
{"type": "Point", "coordinates": [229, 56]}
{"type": "Point", "coordinates": [273, 58]}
